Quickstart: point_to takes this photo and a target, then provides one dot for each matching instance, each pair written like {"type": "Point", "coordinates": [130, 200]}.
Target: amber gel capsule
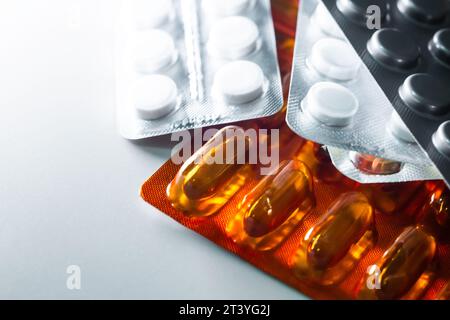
{"type": "Point", "coordinates": [444, 294]}
{"type": "Point", "coordinates": [333, 247]}
{"type": "Point", "coordinates": [212, 175]}
{"type": "Point", "coordinates": [406, 269]}
{"type": "Point", "coordinates": [435, 214]}
{"type": "Point", "coordinates": [270, 212]}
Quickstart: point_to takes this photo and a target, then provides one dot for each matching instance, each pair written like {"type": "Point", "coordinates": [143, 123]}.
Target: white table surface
{"type": "Point", "coordinates": [69, 184]}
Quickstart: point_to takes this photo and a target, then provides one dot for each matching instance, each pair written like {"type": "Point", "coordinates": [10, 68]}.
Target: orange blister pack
{"type": "Point", "coordinates": [305, 223]}
{"type": "Point", "coordinates": [330, 242]}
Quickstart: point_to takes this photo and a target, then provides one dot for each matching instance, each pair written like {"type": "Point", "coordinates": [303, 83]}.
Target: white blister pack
{"type": "Point", "coordinates": [334, 100]}
{"type": "Point", "coordinates": [185, 64]}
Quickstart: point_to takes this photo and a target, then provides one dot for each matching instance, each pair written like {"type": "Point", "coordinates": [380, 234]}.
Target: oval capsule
{"type": "Point", "coordinates": [333, 247]}
{"type": "Point", "coordinates": [213, 174]}
{"type": "Point", "coordinates": [270, 212]}
{"type": "Point", "coordinates": [444, 294]}
{"type": "Point", "coordinates": [435, 214]}
{"type": "Point", "coordinates": [404, 271]}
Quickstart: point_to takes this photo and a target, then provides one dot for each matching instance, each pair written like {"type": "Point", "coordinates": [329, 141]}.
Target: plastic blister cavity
{"type": "Point", "coordinates": [335, 59]}
{"type": "Point", "coordinates": [408, 57]}
{"type": "Point", "coordinates": [274, 208]}
{"type": "Point", "coordinates": [221, 56]}
{"type": "Point", "coordinates": [406, 269]}
{"type": "Point", "coordinates": [156, 96]}
{"type": "Point", "coordinates": [331, 104]}
{"type": "Point", "coordinates": [333, 247]}
{"type": "Point", "coordinates": [243, 89]}
{"type": "Point", "coordinates": [233, 37]}
{"type": "Point", "coordinates": [155, 51]}
{"type": "Point", "coordinates": [441, 139]}
{"type": "Point", "coordinates": [365, 168]}
{"type": "Point", "coordinates": [210, 177]}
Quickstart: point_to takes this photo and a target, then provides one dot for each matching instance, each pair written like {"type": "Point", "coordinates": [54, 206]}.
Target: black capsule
{"type": "Point", "coordinates": [440, 46]}
{"type": "Point", "coordinates": [431, 12]}
{"type": "Point", "coordinates": [394, 49]}
{"type": "Point", "coordinates": [425, 94]}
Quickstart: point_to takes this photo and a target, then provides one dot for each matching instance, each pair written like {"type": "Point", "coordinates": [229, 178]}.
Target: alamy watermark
{"type": "Point", "coordinates": [257, 147]}
{"type": "Point", "coordinates": [374, 17]}
{"type": "Point", "coordinates": [373, 281]}
{"type": "Point", "coordinates": [73, 281]}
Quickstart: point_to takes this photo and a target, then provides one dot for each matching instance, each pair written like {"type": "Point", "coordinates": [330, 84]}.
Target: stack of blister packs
{"type": "Point", "coordinates": [371, 80]}
{"type": "Point", "coordinates": [303, 221]}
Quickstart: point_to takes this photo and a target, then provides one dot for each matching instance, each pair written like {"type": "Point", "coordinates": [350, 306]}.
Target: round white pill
{"type": "Point", "coordinates": [399, 129]}
{"type": "Point", "coordinates": [155, 50]}
{"type": "Point", "coordinates": [331, 104]}
{"type": "Point", "coordinates": [325, 21]}
{"type": "Point", "coordinates": [441, 139]}
{"type": "Point", "coordinates": [228, 7]}
{"type": "Point", "coordinates": [240, 82]}
{"type": "Point", "coordinates": [155, 96]}
{"type": "Point", "coordinates": [152, 13]}
{"type": "Point", "coordinates": [335, 59]}
{"type": "Point", "coordinates": [233, 37]}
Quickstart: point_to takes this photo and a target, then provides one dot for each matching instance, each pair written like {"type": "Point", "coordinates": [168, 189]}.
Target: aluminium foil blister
{"type": "Point", "coordinates": [193, 70]}
{"type": "Point", "coordinates": [368, 130]}
{"type": "Point", "coordinates": [408, 54]}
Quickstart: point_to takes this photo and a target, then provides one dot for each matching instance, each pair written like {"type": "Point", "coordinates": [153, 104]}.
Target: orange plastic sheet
{"type": "Point", "coordinates": [276, 262]}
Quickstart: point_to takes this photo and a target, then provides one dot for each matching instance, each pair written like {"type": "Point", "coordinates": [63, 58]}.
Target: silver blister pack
{"type": "Point", "coordinates": [334, 100]}
{"type": "Point", "coordinates": [186, 64]}
{"type": "Point", "coordinates": [377, 170]}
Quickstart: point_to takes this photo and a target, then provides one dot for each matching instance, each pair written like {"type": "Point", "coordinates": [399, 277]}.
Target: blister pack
{"type": "Point", "coordinates": [188, 64]}
{"type": "Point", "coordinates": [334, 99]}
{"type": "Point", "coordinates": [323, 234]}
{"type": "Point", "coordinates": [405, 46]}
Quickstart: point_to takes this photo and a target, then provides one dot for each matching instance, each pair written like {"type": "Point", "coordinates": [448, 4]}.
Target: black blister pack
{"type": "Point", "coordinates": [406, 46]}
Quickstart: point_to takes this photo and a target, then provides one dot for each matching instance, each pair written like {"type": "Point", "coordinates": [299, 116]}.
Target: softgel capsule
{"type": "Point", "coordinates": [335, 101]}
{"type": "Point", "coordinates": [182, 65]}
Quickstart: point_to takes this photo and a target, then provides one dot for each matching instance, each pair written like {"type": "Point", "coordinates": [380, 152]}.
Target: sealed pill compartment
{"type": "Point", "coordinates": [337, 242]}
{"type": "Point", "coordinates": [406, 269]}
{"type": "Point", "coordinates": [369, 169]}
{"type": "Point", "coordinates": [189, 64]}
{"type": "Point", "coordinates": [209, 178]}
{"type": "Point", "coordinates": [274, 208]}
{"type": "Point", "coordinates": [410, 265]}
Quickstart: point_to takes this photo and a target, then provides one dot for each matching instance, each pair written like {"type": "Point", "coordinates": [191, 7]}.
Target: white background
{"type": "Point", "coordinates": [69, 185]}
